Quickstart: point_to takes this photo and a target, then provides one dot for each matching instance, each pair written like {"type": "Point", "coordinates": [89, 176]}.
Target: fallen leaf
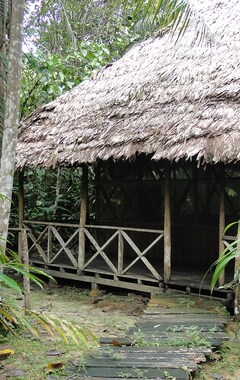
{"type": "Point", "coordinates": [6, 352]}
{"type": "Point", "coordinates": [94, 293]}
{"type": "Point", "coordinates": [54, 353]}
{"type": "Point", "coordinates": [116, 343]}
{"type": "Point", "coordinates": [54, 366]}
{"type": "Point", "coordinates": [16, 373]}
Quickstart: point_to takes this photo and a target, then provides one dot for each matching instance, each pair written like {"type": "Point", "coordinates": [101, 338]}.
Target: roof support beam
{"type": "Point", "coordinates": [221, 218]}
{"type": "Point", "coordinates": [167, 222]}
{"type": "Point", "coordinates": [83, 217]}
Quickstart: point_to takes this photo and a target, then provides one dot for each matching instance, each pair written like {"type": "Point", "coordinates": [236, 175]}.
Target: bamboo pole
{"type": "Point", "coordinates": [221, 279]}
{"type": "Point", "coordinates": [83, 217]}
{"type": "Point", "coordinates": [167, 224]}
{"type": "Point", "coordinates": [237, 279]}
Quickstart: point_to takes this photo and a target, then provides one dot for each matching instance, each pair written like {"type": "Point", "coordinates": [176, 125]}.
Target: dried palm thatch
{"type": "Point", "coordinates": [171, 100]}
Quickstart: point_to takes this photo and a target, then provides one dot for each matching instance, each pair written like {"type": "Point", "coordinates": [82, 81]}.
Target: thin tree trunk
{"type": "Point", "coordinates": [3, 14]}
{"type": "Point", "coordinates": [11, 119]}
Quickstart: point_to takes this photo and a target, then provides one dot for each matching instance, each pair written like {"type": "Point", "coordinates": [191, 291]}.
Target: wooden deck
{"type": "Point", "coordinates": [173, 337]}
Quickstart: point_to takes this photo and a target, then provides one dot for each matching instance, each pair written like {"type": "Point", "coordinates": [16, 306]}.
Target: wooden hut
{"type": "Point", "coordinates": [160, 127]}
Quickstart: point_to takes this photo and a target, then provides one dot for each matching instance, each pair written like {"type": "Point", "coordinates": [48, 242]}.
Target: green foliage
{"type": "Point", "coordinates": [230, 253]}
{"type": "Point", "coordinates": [61, 26]}
{"type": "Point", "coordinates": [47, 76]}
{"type": "Point", "coordinates": [11, 262]}
{"type": "Point", "coordinates": [50, 195]}
{"type": "Point", "coordinates": [12, 316]}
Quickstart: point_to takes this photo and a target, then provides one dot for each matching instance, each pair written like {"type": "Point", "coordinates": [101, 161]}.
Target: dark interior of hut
{"type": "Point", "coordinates": [131, 194]}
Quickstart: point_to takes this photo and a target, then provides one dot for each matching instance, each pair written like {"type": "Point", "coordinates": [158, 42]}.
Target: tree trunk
{"type": "Point", "coordinates": [3, 14]}
{"type": "Point", "coordinates": [11, 119]}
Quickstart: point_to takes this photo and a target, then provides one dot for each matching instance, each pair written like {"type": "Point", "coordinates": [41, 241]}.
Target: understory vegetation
{"type": "Point", "coordinates": [36, 358]}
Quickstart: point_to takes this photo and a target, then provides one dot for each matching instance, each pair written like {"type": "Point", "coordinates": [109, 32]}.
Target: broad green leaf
{"type": "Point", "coordinates": [10, 283]}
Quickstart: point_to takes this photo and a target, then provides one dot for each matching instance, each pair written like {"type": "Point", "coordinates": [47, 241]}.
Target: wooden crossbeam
{"type": "Point", "coordinates": [99, 250]}
{"type": "Point", "coordinates": [140, 255]}
{"type": "Point", "coordinates": [36, 243]}
{"type": "Point", "coordinates": [64, 247]}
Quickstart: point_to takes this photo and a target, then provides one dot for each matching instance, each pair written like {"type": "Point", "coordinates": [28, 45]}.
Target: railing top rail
{"type": "Point", "coordinates": [51, 223]}
{"type": "Point", "coordinates": [17, 229]}
{"type": "Point", "coordinates": [125, 228]}
{"type": "Point", "coordinates": [94, 226]}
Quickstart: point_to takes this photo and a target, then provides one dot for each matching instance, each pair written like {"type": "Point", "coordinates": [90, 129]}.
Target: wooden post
{"type": "Point", "coordinates": [25, 261]}
{"type": "Point", "coordinates": [120, 251]}
{"type": "Point", "coordinates": [83, 217]}
{"type": "Point", "coordinates": [237, 279]}
{"type": "Point", "coordinates": [50, 245]}
{"type": "Point", "coordinates": [221, 279]}
{"type": "Point", "coordinates": [167, 223]}
{"type": "Point", "coordinates": [20, 210]}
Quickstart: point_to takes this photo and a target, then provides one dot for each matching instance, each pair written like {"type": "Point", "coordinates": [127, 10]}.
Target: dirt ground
{"type": "Point", "coordinates": [103, 313]}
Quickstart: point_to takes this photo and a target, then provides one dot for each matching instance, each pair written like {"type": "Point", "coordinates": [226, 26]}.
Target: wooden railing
{"type": "Point", "coordinates": [94, 248]}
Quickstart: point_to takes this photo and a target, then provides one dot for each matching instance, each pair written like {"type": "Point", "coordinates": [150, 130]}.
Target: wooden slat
{"type": "Point", "coordinates": [157, 349]}
{"type": "Point", "coordinates": [100, 250]}
{"type": "Point", "coordinates": [155, 362]}
{"type": "Point", "coordinates": [176, 319]}
{"type": "Point", "coordinates": [140, 256]}
{"type": "Point", "coordinates": [179, 374]}
{"type": "Point", "coordinates": [63, 246]}
{"type": "Point", "coordinates": [37, 245]}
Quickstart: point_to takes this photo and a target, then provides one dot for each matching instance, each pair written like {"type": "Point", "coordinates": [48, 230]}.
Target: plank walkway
{"type": "Point", "coordinates": [174, 335]}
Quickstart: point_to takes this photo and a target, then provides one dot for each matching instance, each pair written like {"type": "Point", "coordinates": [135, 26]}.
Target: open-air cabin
{"type": "Point", "coordinates": [160, 130]}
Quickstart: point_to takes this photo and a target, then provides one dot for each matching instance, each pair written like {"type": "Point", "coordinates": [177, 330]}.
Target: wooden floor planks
{"type": "Point", "coordinates": [163, 344]}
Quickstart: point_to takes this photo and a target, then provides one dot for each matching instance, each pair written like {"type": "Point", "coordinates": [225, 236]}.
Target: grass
{"type": "Point", "coordinates": [191, 337]}
{"type": "Point", "coordinates": [32, 355]}
{"type": "Point", "coordinates": [225, 363]}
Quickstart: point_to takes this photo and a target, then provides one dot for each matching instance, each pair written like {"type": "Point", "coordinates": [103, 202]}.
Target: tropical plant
{"type": "Point", "coordinates": [230, 253]}
{"type": "Point", "coordinates": [12, 316]}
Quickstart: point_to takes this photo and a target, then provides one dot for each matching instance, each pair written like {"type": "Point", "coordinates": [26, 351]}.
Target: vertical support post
{"type": "Point", "coordinates": [50, 245]}
{"type": "Point", "coordinates": [120, 251]}
{"type": "Point", "coordinates": [83, 217]}
{"type": "Point", "coordinates": [20, 210]}
{"type": "Point", "coordinates": [221, 279]}
{"type": "Point", "coordinates": [237, 278]}
{"type": "Point", "coordinates": [25, 261]}
{"type": "Point", "coordinates": [167, 223]}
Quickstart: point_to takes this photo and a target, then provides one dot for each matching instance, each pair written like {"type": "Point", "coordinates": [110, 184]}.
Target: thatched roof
{"type": "Point", "coordinates": [161, 98]}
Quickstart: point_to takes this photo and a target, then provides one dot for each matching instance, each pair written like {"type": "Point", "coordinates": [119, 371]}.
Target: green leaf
{"type": "Point", "coordinates": [62, 77]}
{"type": "Point", "coordinates": [10, 283]}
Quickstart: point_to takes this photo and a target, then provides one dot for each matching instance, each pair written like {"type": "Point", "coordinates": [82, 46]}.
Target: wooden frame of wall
{"type": "Point", "coordinates": [122, 237]}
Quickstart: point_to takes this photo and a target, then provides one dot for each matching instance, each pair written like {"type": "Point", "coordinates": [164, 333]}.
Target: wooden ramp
{"type": "Point", "coordinates": [170, 340]}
